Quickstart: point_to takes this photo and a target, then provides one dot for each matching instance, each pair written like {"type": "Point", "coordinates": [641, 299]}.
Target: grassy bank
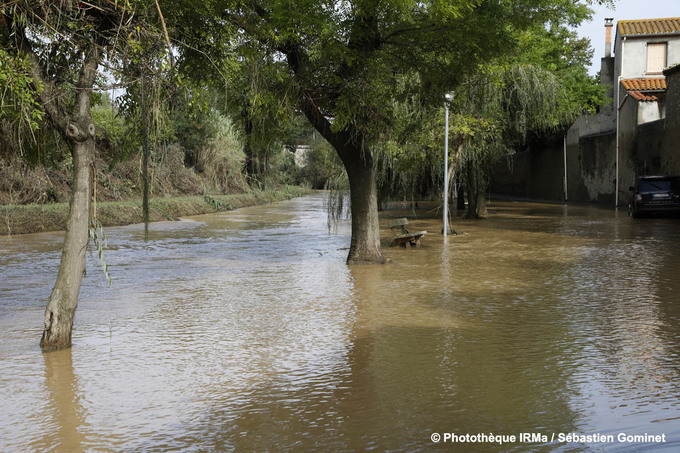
{"type": "Point", "coordinates": [22, 219]}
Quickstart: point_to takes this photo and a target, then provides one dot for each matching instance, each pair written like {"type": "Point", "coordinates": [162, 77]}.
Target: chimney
{"type": "Point", "coordinates": [608, 23]}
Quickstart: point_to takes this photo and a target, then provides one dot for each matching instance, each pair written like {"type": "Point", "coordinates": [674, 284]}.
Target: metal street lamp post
{"type": "Point", "coordinates": [449, 98]}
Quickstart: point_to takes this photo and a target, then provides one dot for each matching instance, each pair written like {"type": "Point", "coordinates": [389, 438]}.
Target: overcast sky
{"type": "Point", "coordinates": [624, 10]}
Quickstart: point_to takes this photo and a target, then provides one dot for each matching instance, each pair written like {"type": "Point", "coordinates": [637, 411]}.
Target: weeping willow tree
{"type": "Point", "coordinates": [533, 89]}
{"type": "Point", "coordinates": [493, 111]}
{"type": "Point", "coordinates": [409, 157]}
{"type": "Point", "coordinates": [496, 111]}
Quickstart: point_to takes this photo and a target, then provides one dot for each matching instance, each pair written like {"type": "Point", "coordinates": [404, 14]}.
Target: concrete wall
{"type": "Point", "coordinates": [601, 123]}
{"type": "Point", "coordinates": [535, 172]}
{"type": "Point", "coordinates": [607, 75]}
{"type": "Point", "coordinates": [648, 149]}
{"type": "Point", "coordinates": [547, 173]}
{"type": "Point", "coordinates": [647, 156]}
{"type": "Point", "coordinates": [670, 145]}
{"type": "Point", "coordinates": [591, 169]}
{"type": "Point", "coordinates": [513, 179]}
{"type": "Point", "coordinates": [628, 132]}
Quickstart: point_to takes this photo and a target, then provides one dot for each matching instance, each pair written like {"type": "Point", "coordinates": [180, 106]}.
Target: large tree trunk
{"type": "Point", "coordinates": [64, 298]}
{"type": "Point", "coordinates": [482, 211]}
{"type": "Point", "coordinates": [358, 162]}
{"type": "Point", "coordinates": [79, 131]}
{"type": "Point", "coordinates": [365, 245]}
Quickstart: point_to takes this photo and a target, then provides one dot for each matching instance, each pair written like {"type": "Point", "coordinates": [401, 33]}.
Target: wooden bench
{"type": "Point", "coordinates": [402, 236]}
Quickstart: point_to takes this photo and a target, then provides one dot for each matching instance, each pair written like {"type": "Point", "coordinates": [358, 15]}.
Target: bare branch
{"type": "Point", "coordinates": [167, 36]}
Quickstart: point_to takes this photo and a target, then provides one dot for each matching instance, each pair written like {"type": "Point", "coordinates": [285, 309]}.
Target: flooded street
{"type": "Point", "coordinates": [246, 331]}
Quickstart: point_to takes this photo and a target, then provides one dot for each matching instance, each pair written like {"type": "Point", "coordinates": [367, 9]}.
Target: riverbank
{"type": "Point", "coordinates": [23, 219]}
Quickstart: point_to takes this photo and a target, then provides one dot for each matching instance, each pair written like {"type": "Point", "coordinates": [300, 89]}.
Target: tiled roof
{"type": "Point", "coordinates": [642, 97]}
{"type": "Point", "coordinates": [655, 84]}
{"type": "Point", "coordinates": [649, 26]}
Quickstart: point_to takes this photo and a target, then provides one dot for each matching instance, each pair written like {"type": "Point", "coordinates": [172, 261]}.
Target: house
{"type": "Point", "coordinates": [645, 48]}
{"type": "Point", "coordinates": [603, 147]}
{"type": "Point", "coordinates": [634, 135]}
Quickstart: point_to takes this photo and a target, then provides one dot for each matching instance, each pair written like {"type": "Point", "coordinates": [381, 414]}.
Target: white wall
{"type": "Point", "coordinates": [648, 111]}
{"type": "Point", "coordinates": [634, 55]}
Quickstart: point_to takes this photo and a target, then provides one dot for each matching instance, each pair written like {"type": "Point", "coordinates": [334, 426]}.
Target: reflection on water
{"type": "Point", "coordinates": [246, 331]}
{"type": "Point", "coordinates": [66, 413]}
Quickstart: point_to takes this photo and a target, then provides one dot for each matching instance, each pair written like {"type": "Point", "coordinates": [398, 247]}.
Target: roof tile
{"type": "Point", "coordinates": [651, 84]}
{"type": "Point", "coordinates": [649, 26]}
{"type": "Point", "coordinates": [642, 97]}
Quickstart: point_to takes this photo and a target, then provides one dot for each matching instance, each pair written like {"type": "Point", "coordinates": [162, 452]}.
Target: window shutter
{"type": "Point", "coordinates": [656, 57]}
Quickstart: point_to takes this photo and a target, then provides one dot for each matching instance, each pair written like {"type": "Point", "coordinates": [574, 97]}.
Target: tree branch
{"type": "Point", "coordinates": [167, 36]}
{"type": "Point", "coordinates": [48, 95]}
{"type": "Point", "coordinates": [86, 79]}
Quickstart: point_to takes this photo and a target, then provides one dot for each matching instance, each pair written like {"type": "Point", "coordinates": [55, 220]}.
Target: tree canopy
{"type": "Point", "coordinates": [346, 65]}
{"type": "Point", "coordinates": [366, 74]}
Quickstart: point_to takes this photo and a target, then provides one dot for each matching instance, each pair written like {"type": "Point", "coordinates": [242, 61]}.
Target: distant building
{"type": "Point", "coordinates": [301, 154]}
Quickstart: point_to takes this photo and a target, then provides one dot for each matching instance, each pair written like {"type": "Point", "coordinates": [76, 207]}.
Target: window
{"type": "Point", "coordinates": [656, 57]}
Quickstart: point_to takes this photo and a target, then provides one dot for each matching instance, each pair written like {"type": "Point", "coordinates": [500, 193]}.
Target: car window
{"type": "Point", "coordinates": [656, 185]}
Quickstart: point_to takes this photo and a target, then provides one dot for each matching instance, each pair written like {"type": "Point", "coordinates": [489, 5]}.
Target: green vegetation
{"type": "Point", "coordinates": [34, 218]}
{"type": "Point", "coordinates": [367, 75]}
{"type": "Point", "coordinates": [119, 100]}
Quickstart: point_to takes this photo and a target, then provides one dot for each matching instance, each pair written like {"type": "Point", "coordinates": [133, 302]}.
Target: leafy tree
{"type": "Point", "coordinates": [538, 88]}
{"type": "Point", "coordinates": [559, 50]}
{"type": "Point", "coordinates": [20, 114]}
{"type": "Point", "coordinates": [345, 62]}
{"type": "Point", "coordinates": [64, 44]}
{"type": "Point", "coordinates": [504, 104]}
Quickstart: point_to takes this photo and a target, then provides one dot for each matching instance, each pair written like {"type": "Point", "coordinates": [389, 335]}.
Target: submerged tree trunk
{"type": "Point", "coordinates": [365, 245]}
{"type": "Point", "coordinates": [482, 211]}
{"type": "Point", "coordinates": [358, 162]}
{"type": "Point", "coordinates": [78, 130]}
{"type": "Point", "coordinates": [64, 298]}
{"type": "Point", "coordinates": [476, 205]}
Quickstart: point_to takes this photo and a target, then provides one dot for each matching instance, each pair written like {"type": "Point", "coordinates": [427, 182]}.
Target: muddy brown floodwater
{"type": "Point", "coordinates": [246, 331]}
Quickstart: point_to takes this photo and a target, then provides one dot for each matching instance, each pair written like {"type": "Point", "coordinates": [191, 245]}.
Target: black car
{"type": "Point", "coordinates": [655, 195]}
